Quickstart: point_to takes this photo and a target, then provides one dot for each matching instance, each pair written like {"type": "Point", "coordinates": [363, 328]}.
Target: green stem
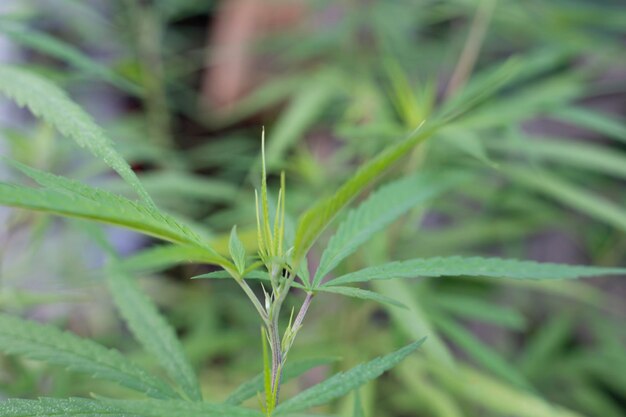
{"type": "Point", "coordinates": [472, 46]}
{"type": "Point", "coordinates": [255, 301]}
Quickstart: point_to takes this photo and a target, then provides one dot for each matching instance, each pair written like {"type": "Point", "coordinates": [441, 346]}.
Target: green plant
{"type": "Point", "coordinates": [282, 254]}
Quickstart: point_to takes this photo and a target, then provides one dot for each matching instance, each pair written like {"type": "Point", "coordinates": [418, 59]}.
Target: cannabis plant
{"type": "Point", "coordinates": [267, 277]}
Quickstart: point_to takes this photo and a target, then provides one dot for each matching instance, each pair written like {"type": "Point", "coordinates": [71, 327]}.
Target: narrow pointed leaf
{"type": "Point", "coordinates": [152, 331]}
{"type": "Point", "coordinates": [342, 383]}
{"type": "Point", "coordinates": [480, 352]}
{"type": "Point", "coordinates": [51, 104]}
{"type": "Point", "coordinates": [470, 307]}
{"type": "Point", "coordinates": [51, 345]}
{"type": "Point", "coordinates": [152, 408]}
{"type": "Point", "coordinates": [474, 266]}
{"type": "Point", "coordinates": [257, 275]}
{"type": "Point", "coordinates": [377, 212]}
{"type": "Point", "coordinates": [80, 407]}
{"type": "Point", "coordinates": [592, 120]}
{"type": "Point", "coordinates": [161, 257]}
{"type": "Point", "coordinates": [291, 370]}
{"type": "Point", "coordinates": [252, 275]}
{"type": "Point", "coordinates": [237, 250]}
{"type": "Point", "coordinates": [358, 407]}
{"type": "Point", "coordinates": [71, 198]}
{"type": "Point", "coordinates": [494, 396]}
{"type": "Point", "coordinates": [53, 407]}
{"type": "Point", "coordinates": [42, 42]}
{"type": "Point", "coordinates": [315, 220]}
{"type": "Point", "coordinates": [413, 321]}
{"type": "Point", "coordinates": [595, 158]}
{"type": "Point", "coordinates": [363, 295]}
{"type": "Point", "coordinates": [584, 201]}
{"type": "Point", "coordinates": [267, 375]}
{"type": "Point", "coordinates": [305, 107]}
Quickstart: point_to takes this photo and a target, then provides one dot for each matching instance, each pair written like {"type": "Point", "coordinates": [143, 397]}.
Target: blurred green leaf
{"type": "Point", "coordinates": [482, 353]}
{"type": "Point", "coordinates": [49, 407]}
{"type": "Point", "coordinates": [51, 104]}
{"type": "Point", "coordinates": [152, 331]}
{"type": "Point", "coordinates": [315, 220]}
{"type": "Point", "coordinates": [340, 384]}
{"type": "Point", "coordinates": [468, 307]}
{"type": "Point", "coordinates": [570, 195]}
{"type": "Point", "coordinates": [70, 198]}
{"type": "Point", "coordinates": [237, 251]}
{"type": "Point", "coordinates": [49, 344]}
{"type": "Point", "coordinates": [474, 266]}
{"type": "Point", "coordinates": [362, 294]}
{"type": "Point", "coordinates": [377, 212]}
{"type": "Point", "coordinates": [46, 44]}
{"type": "Point", "coordinates": [593, 120]}
{"type": "Point", "coordinates": [292, 370]}
{"type": "Point", "coordinates": [302, 112]}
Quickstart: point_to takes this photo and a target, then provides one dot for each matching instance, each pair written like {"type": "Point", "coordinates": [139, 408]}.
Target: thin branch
{"type": "Point", "coordinates": [255, 301]}
{"type": "Point", "coordinates": [297, 324]}
{"type": "Point", "coordinates": [472, 47]}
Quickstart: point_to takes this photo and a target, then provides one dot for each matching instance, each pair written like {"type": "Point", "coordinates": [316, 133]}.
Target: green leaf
{"type": "Point", "coordinates": [362, 294]}
{"type": "Point", "coordinates": [51, 104]}
{"type": "Point", "coordinates": [254, 275]}
{"type": "Point", "coordinates": [174, 185]}
{"type": "Point", "coordinates": [305, 107]}
{"type": "Point", "coordinates": [315, 220]}
{"type": "Point", "coordinates": [483, 354]}
{"type": "Point", "coordinates": [358, 407]}
{"type": "Point", "coordinates": [152, 331]}
{"type": "Point", "coordinates": [46, 44]}
{"type": "Point", "coordinates": [467, 142]}
{"type": "Point", "coordinates": [495, 396]}
{"type": "Point", "coordinates": [291, 370]}
{"type": "Point", "coordinates": [468, 307]}
{"type": "Point", "coordinates": [525, 103]}
{"type": "Point", "coordinates": [257, 275]}
{"type": "Point", "coordinates": [102, 208]}
{"type": "Point", "coordinates": [595, 158]}
{"type": "Point", "coordinates": [268, 381]}
{"type": "Point", "coordinates": [53, 407]}
{"type": "Point", "coordinates": [474, 266]}
{"type": "Point", "coordinates": [51, 345]}
{"type": "Point", "coordinates": [151, 408]}
{"type": "Point", "coordinates": [593, 120]}
{"type": "Point", "coordinates": [377, 212]}
{"type": "Point", "coordinates": [262, 97]}
{"type": "Point", "coordinates": [545, 345]}
{"type": "Point", "coordinates": [80, 407]}
{"type": "Point", "coordinates": [158, 258]}
{"type": "Point", "coordinates": [344, 382]}
{"type": "Point", "coordinates": [71, 198]}
{"type": "Point", "coordinates": [579, 199]}
{"type": "Point", "coordinates": [413, 320]}
{"type": "Point", "coordinates": [237, 251]}
{"type": "Point", "coordinates": [480, 88]}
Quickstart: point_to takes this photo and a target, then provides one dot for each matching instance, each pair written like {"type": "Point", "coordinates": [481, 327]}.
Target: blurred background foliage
{"type": "Point", "coordinates": [534, 95]}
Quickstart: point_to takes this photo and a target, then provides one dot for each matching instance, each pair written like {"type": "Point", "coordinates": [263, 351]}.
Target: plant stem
{"type": "Point", "coordinates": [472, 46]}
{"type": "Point", "coordinates": [255, 301]}
{"type": "Point", "coordinates": [297, 324]}
{"type": "Point", "coordinates": [279, 293]}
{"type": "Point", "coordinates": [280, 351]}
{"type": "Point", "coordinates": [277, 359]}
